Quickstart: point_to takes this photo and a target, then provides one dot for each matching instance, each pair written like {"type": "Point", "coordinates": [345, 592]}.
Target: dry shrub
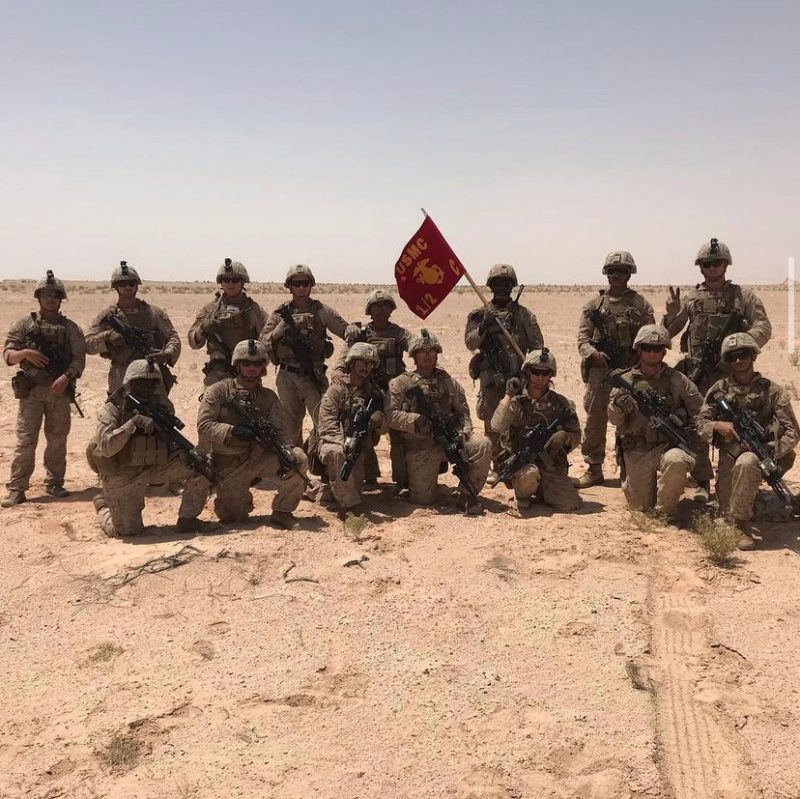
{"type": "Point", "coordinates": [648, 521]}
{"type": "Point", "coordinates": [354, 524]}
{"type": "Point", "coordinates": [122, 752]}
{"type": "Point", "coordinates": [104, 652]}
{"type": "Point", "coordinates": [720, 538]}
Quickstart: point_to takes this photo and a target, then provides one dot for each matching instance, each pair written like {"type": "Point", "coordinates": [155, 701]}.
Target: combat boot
{"type": "Point", "coordinates": [283, 519]}
{"type": "Point", "coordinates": [703, 492]}
{"type": "Point", "coordinates": [14, 497]}
{"type": "Point", "coordinates": [57, 491]}
{"type": "Point", "coordinates": [746, 540]}
{"type": "Point", "coordinates": [189, 524]}
{"type": "Point", "coordinates": [593, 476]}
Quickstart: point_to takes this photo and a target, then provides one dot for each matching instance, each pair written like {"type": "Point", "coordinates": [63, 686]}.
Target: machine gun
{"type": "Point", "coordinates": [533, 442]}
{"type": "Point", "coordinates": [447, 435]}
{"type": "Point", "coordinates": [708, 353]}
{"type": "Point", "coordinates": [140, 343]}
{"type": "Point", "coordinates": [655, 409]}
{"type": "Point", "coordinates": [57, 364]}
{"type": "Point", "coordinates": [354, 443]}
{"type": "Point", "coordinates": [267, 436]}
{"type": "Point", "coordinates": [754, 437]}
{"type": "Point", "coordinates": [302, 349]}
{"type": "Point", "coordinates": [168, 425]}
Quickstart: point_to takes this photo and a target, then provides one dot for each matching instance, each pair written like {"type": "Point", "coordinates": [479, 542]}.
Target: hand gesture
{"type": "Point", "coordinates": [35, 358]}
{"type": "Point", "coordinates": [513, 386]}
{"type": "Point", "coordinates": [674, 301]}
{"type": "Point", "coordinates": [59, 385]}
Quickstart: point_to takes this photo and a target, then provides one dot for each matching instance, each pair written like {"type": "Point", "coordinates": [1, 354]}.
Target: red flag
{"type": "Point", "coordinates": [427, 269]}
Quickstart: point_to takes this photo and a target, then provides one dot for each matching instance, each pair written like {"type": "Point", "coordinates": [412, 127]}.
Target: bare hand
{"type": "Point", "coordinates": [599, 358]}
{"type": "Point", "coordinates": [674, 301]}
{"type": "Point", "coordinates": [726, 430]}
{"type": "Point", "coordinates": [59, 385]}
{"type": "Point", "coordinates": [560, 441]}
{"type": "Point", "coordinates": [35, 358]}
{"type": "Point", "coordinates": [279, 331]}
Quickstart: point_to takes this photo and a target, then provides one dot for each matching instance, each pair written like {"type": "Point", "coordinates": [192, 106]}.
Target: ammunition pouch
{"type": "Point", "coordinates": [476, 363]}
{"type": "Point", "coordinates": [21, 385]}
{"type": "Point", "coordinates": [144, 450]}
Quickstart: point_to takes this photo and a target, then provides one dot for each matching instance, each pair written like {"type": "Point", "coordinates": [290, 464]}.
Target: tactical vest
{"type": "Point", "coordinates": [436, 388]}
{"type": "Point", "coordinates": [622, 320]}
{"type": "Point", "coordinates": [51, 334]}
{"type": "Point", "coordinates": [389, 351]}
{"type": "Point", "coordinates": [708, 313]}
{"type": "Point", "coordinates": [642, 435]}
{"type": "Point", "coordinates": [355, 399]}
{"type": "Point", "coordinates": [236, 322]}
{"type": "Point", "coordinates": [310, 326]}
{"type": "Point", "coordinates": [535, 412]}
{"type": "Point", "coordinates": [753, 398]}
{"type": "Point", "coordinates": [143, 318]}
{"type": "Point", "coordinates": [142, 449]}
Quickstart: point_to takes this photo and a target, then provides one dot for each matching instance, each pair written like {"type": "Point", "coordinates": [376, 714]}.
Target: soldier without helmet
{"type": "Point", "coordinates": [706, 310]}
{"type": "Point", "coordinates": [620, 312]}
{"type": "Point", "coordinates": [231, 317]}
{"type": "Point", "coordinates": [43, 396]}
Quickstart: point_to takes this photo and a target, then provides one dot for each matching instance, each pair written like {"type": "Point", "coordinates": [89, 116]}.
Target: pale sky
{"type": "Point", "coordinates": [174, 134]}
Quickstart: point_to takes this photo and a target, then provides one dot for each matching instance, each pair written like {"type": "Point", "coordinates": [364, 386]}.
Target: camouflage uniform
{"type": "Point", "coordinates": [424, 457]}
{"type": "Point", "coordinates": [548, 472]}
{"type": "Point", "coordinates": [239, 463]}
{"type": "Point", "coordinates": [100, 338]}
{"type": "Point", "coordinates": [622, 317]}
{"type": "Point", "coordinates": [738, 474]}
{"type": "Point", "coordinates": [40, 403]}
{"type": "Point", "coordinates": [655, 471]}
{"type": "Point", "coordinates": [298, 392]}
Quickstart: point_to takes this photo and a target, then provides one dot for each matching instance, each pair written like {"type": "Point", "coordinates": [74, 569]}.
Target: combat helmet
{"type": "Point", "coordinates": [379, 295]}
{"type": "Point", "coordinates": [738, 341]}
{"type": "Point", "coordinates": [502, 270]}
{"type": "Point", "coordinates": [249, 350]}
{"type": "Point", "coordinates": [714, 250]}
{"type": "Point", "coordinates": [299, 270]}
{"type": "Point", "coordinates": [424, 341]}
{"type": "Point", "coordinates": [653, 334]}
{"type": "Point", "coordinates": [124, 272]}
{"type": "Point", "coordinates": [141, 369]}
{"type": "Point", "coordinates": [362, 351]}
{"type": "Point", "coordinates": [50, 282]}
{"type": "Point", "coordinates": [232, 269]}
{"type": "Point", "coordinates": [620, 258]}
{"type": "Point", "coordinates": [540, 359]}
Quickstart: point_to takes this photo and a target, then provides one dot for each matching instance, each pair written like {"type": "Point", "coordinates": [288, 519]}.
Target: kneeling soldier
{"type": "Point", "coordinates": [130, 452]}
{"type": "Point", "coordinates": [539, 429]}
{"type": "Point", "coordinates": [243, 424]}
{"type": "Point", "coordinates": [430, 410]}
{"type": "Point", "coordinates": [351, 419]}
{"type": "Point", "coordinates": [754, 399]}
{"type": "Point", "coordinates": [653, 408]}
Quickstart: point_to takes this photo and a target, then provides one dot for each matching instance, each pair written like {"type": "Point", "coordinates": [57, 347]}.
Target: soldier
{"type": "Point", "coordinates": [391, 341]}
{"type": "Point", "coordinates": [654, 470]}
{"type": "Point", "coordinates": [162, 340]}
{"type": "Point", "coordinates": [608, 325]}
{"type": "Point", "coordinates": [738, 472]}
{"type": "Point", "coordinates": [232, 317]}
{"type": "Point", "coordinates": [44, 386]}
{"type": "Point", "coordinates": [341, 414]}
{"type": "Point", "coordinates": [238, 456]}
{"type": "Point", "coordinates": [300, 350]}
{"type": "Point", "coordinates": [130, 453]}
{"type": "Point", "coordinates": [424, 456]}
{"type": "Point", "coordinates": [519, 412]}
{"type": "Point", "coordinates": [716, 308]}
{"type": "Point", "coordinates": [496, 361]}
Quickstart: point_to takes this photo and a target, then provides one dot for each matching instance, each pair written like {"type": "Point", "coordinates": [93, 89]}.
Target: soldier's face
{"type": "Point", "coordinates": [714, 272]}
{"type": "Point", "coordinates": [501, 287]}
{"type": "Point", "coordinates": [426, 360]}
{"type": "Point", "coordinates": [126, 288]}
{"type": "Point", "coordinates": [651, 354]}
{"type": "Point", "coordinates": [300, 288]}
{"type": "Point", "coordinates": [251, 370]}
{"type": "Point", "coordinates": [231, 286]}
{"type": "Point", "coordinates": [740, 362]}
{"type": "Point", "coordinates": [361, 369]}
{"type": "Point", "coordinates": [380, 311]}
{"type": "Point", "coordinates": [49, 301]}
{"type": "Point", "coordinates": [618, 275]}
{"type": "Point", "coordinates": [539, 380]}
{"type": "Point", "coordinates": [144, 389]}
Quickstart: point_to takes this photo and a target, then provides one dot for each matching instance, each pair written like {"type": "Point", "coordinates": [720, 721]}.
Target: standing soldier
{"type": "Point", "coordinates": [150, 333]}
{"type": "Point", "coordinates": [654, 463]}
{"type": "Point", "coordinates": [232, 317]}
{"type": "Point", "coordinates": [539, 429]}
{"type": "Point", "coordinates": [243, 424]}
{"type": "Point", "coordinates": [351, 419]}
{"type": "Point", "coordinates": [296, 338]}
{"type": "Point", "coordinates": [715, 309]}
{"type": "Point", "coordinates": [390, 341]}
{"type": "Point", "coordinates": [50, 352]}
{"type": "Point", "coordinates": [496, 361]}
{"type": "Point", "coordinates": [447, 412]}
{"type": "Point", "coordinates": [606, 331]}
{"type": "Point", "coordinates": [739, 472]}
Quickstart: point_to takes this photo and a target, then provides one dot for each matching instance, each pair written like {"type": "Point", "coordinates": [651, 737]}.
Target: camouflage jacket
{"type": "Point", "coordinates": [338, 407]}
{"type": "Point", "coordinates": [233, 322]}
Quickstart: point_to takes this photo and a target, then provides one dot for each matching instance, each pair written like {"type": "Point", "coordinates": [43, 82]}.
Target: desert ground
{"type": "Point", "coordinates": [595, 655]}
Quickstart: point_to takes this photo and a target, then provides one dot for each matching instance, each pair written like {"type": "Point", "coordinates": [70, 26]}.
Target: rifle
{"type": "Point", "coordinates": [267, 436]}
{"type": "Point", "coordinates": [447, 435]}
{"type": "Point", "coordinates": [605, 343]}
{"type": "Point", "coordinates": [302, 349]}
{"type": "Point", "coordinates": [533, 441]}
{"type": "Point", "coordinates": [168, 425]}
{"type": "Point", "coordinates": [708, 352]}
{"type": "Point", "coordinates": [226, 360]}
{"type": "Point", "coordinates": [654, 408]}
{"type": "Point", "coordinates": [140, 343]}
{"type": "Point", "coordinates": [354, 444]}
{"type": "Point", "coordinates": [498, 357]}
{"type": "Point", "coordinates": [753, 435]}
{"type": "Point", "coordinates": [57, 364]}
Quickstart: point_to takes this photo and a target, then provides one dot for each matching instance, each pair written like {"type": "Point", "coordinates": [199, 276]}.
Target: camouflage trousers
{"type": "Point", "coordinates": [423, 467]}
{"type": "Point", "coordinates": [40, 405]}
{"type": "Point", "coordinates": [372, 471]}
{"type": "Point", "coordinates": [595, 403]}
{"type": "Point", "coordinates": [297, 394]}
{"type": "Point", "coordinates": [234, 500]}
{"type": "Point", "coordinates": [119, 508]}
{"type": "Point", "coordinates": [656, 477]}
{"type": "Point", "coordinates": [557, 490]}
{"type": "Point", "coordinates": [489, 398]}
{"type": "Point", "coordinates": [347, 493]}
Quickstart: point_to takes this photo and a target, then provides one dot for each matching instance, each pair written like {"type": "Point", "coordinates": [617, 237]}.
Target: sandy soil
{"type": "Point", "coordinates": [551, 656]}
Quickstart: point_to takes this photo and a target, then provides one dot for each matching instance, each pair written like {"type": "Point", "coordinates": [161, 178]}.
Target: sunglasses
{"type": "Point", "coordinates": [301, 284]}
{"type": "Point", "coordinates": [652, 348]}
{"type": "Point", "coordinates": [254, 363]}
{"type": "Point", "coordinates": [617, 270]}
{"type": "Point", "coordinates": [541, 372]}
{"type": "Point", "coordinates": [712, 264]}
{"type": "Point", "coordinates": [231, 280]}
{"type": "Point", "coordinates": [738, 355]}
{"type": "Point", "coordinates": [125, 283]}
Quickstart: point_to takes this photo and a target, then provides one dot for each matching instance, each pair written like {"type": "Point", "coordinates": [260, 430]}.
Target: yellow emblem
{"type": "Point", "coordinates": [427, 273]}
